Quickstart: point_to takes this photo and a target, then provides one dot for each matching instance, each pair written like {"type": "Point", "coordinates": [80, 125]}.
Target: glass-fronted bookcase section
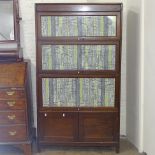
{"type": "Point", "coordinates": [78, 92]}
{"type": "Point", "coordinates": [78, 57]}
{"type": "Point", "coordinates": [91, 26]}
{"type": "Point", "coordinates": [54, 26]}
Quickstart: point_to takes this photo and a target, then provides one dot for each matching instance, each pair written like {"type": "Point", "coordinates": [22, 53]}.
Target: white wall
{"type": "Point", "coordinates": [134, 122]}
{"type": "Point", "coordinates": [141, 74]}
{"type": "Point", "coordinates": [149, 77]}
{"type": "Point", "coordinates": [28, 43]}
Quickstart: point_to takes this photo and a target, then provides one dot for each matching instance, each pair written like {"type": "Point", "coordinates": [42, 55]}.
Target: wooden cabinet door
{"type": "Point", "coordinates": [58, 127]}
{"type": "Point", "coordinates": [96, 126]}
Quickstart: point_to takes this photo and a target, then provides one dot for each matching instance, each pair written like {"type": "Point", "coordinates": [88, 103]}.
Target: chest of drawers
{"type": "Point", "coordinates": [15, 101]}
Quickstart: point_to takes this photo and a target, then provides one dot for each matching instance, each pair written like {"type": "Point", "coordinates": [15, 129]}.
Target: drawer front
{"type": "Point", "coordinates": [15, 117]}
{"type": "Point", "coordinates": [58, 126]}
{"type": "Point", "coordinates": [11, 94]}
{"type": "Point", "coordinates": [12, 104]}
{"type": "Point", "coordinates": [13, 133]}
{"type": "Point", "coordinates": [97, 126]}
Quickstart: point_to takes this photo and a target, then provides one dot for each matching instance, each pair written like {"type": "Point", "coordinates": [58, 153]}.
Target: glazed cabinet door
{"type": "Point", "coordinates": [96, 126]}
{"type": "Point", "coordinates": [78, 92]}
{"type": "Point", "coordinates": [58, 126]}
{"type": "Point", "coordinates": [84, 57]}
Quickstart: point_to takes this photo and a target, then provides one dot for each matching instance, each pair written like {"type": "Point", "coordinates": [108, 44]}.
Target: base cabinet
{"type": "Point", "coordinates": [77, 128]}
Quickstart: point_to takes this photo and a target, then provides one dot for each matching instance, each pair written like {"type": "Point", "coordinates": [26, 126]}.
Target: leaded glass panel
{"type": "Point", "coordinates": [84, 92]}
{"type": "Point", "coordinates": [78, 26]}
{"type": "Point", "coordinates": [73, 57]}
{"type": "Point", "coordinates": [59, 92]}
{"type": "Point", "coordinates": [59, 57]}
{"type": "Point", "coordinates": [99, 57]}
{"type": "Point", "coordinates": [97, 92]}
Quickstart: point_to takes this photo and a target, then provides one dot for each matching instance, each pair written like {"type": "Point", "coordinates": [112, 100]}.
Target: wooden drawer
{"type": "Point", "coordinates": [97, 126]}
{"type": "Point", "coordinates": [16, 117]}
{"type": "Point", "coordinates": [13, 133]}
{"type": "Point", "coordinates": [11, 94]}
{"type": "Point", "coordinates": [58, 126]}
{"type": "Point", "coordinates": [12, 104]}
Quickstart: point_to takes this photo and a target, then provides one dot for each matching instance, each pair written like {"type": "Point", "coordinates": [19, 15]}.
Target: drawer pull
{"type": "Point", "coordinates": [12, 133]}
{"type": "Point", "coordinates": [45, 114]}
{"type": "Point", "coordinates": [11, 103]}
{"type": "Point", "coordinates": [63, 115]}
{"type": "Point", "coordinates": [10, 93]}
{"type": "Point", "coordinates": [11, 117]}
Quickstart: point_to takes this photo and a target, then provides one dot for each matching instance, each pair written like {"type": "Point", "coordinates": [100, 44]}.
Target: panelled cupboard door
{"type": "Point", "coordinates": [96, 126]}
{"type": "Point", "coordinates": [58, 126]}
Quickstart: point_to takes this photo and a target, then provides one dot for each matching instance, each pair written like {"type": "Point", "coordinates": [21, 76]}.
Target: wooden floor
{"type": "Point", "coordinates": [126, 149]}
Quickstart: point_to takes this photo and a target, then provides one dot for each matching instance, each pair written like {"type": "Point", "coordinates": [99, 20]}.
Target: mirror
{"type": "Point", "coordinates": [8, 21]}
{"type": "Point", "coordinates": [10, 49]}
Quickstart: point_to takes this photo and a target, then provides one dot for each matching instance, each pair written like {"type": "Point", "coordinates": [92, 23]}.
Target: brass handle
{"type": "Point", "coordinates": [11, 103]}
{"type": "Point", "coordinates": [12, 133]}
{"type": "Point", "coordinates": [11, 117]}
{"type": "Point", "coordinates": [10, 93]}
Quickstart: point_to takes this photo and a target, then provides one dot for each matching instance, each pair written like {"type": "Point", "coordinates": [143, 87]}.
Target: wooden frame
{"type": "Point", "coordinates": [69, 9]}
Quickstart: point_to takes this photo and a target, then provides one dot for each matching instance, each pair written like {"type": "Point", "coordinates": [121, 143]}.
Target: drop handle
{"type": "Point", "coordinates": [63, 115]}
{"type": "Point", "coordinates": [11, 117]}
{"type": "Point", "coordinates": [11, 103]}
{"type": "Point", "coordinates": [12, 133]}
{"type": "Point", "coordinates": [10, 93]}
